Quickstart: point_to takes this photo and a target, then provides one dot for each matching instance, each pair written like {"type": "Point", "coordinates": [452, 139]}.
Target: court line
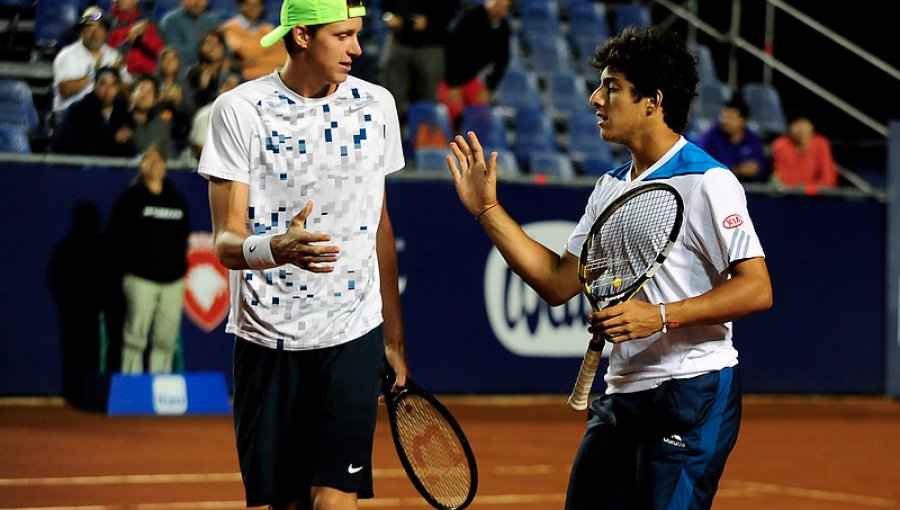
{"type": "Point", "coordinates": [815, 494]}
{"type": "Point", "coordinates": [729, 489]}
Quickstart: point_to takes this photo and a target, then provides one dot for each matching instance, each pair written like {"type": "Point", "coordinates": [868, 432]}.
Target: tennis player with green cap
{"type": "Point", "coordinates": [296, 162]}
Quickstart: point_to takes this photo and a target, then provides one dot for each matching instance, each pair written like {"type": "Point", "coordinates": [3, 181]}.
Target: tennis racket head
{"type": "Point", "coordinates": [629, 242]}
{"type": "Point", "coordinates": [431, 446]}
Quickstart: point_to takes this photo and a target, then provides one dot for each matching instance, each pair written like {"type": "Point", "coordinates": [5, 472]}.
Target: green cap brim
{"type": "Point", "coordinates": [274, 36]}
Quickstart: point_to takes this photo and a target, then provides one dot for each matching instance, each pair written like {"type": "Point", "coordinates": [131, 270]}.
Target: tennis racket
{"type": "Point", "coordinates": [431, 445]}
{"type": "Point", "coordinates": [627, 244]}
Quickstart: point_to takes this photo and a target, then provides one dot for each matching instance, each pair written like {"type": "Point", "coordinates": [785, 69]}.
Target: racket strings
{"type": "Point", "coordinates": [434, 451]}
{"type": "Point", "coordinates": [629, 242]}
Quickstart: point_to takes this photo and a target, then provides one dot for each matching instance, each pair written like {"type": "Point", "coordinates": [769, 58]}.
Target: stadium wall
{"type": "Point", "coordinates": [471, 326]}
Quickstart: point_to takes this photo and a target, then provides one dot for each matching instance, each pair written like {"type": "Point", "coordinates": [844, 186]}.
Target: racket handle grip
{"type": "Point", "coordinates": [578, 400]}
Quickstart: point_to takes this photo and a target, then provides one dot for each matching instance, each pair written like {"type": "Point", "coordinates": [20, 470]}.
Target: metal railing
{"type": "Point", "coordinates": [687, 11]}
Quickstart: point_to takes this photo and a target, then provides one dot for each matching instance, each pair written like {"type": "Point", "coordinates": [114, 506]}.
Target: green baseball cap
{"type": "Point", "coordinates": [312, 12]}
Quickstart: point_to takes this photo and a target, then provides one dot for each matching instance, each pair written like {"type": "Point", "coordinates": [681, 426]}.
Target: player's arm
{"type": "Point", "coordinates": [228, 204]}
{"type": "Point", "coordinates": [748, 291]}
{"type": "Point", "coordinates": [394, 346]}
{"type": "Point", "coordinates": [551, 275]}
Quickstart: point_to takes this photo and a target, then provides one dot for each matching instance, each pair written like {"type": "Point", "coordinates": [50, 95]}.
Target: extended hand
{"type": "Point", "coordinates": [476, 181]}
{"type": "Point", "coordinates": [295, 246]}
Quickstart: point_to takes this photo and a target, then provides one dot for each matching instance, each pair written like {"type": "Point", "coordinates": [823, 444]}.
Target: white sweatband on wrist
{"type": "Point", "coordinates": [258, 252]}
{"type": "Point", "coordinates": [662, 316]}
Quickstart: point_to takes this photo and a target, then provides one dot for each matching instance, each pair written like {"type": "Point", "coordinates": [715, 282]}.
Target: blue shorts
{"type": "Point", "coordinates": [306, 418]}
{"type": "Point", "coordinates": [660, 449]}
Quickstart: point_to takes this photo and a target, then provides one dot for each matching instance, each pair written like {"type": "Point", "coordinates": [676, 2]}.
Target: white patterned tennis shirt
{"type": "Point", "coordinates": [334, 151]}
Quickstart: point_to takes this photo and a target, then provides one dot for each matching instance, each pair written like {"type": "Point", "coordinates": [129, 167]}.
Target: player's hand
{"type": "Point", "coordinates": [397, 361]}
{"type": "Point", "coordinates": [627, 321]}
{"type": "Point", "coordinates": [475, 178]}
{"type": "Point", "coordinates": [295, 246]}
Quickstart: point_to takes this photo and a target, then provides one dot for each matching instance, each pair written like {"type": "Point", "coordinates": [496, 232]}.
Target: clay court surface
{"type": "Point", "coordinates": [794, 453]}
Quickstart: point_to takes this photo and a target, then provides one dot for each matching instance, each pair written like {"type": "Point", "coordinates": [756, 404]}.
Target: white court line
{"type": "Point", "coordinates": [816, 495]}
{"type": "Point", "coordinates": [730, 489]}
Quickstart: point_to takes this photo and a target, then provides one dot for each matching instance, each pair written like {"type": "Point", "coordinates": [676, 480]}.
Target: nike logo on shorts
{"type": "Point", "coordinates": [353, 470]}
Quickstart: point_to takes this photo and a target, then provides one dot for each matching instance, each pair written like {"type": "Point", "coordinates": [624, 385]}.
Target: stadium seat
{"type": "Point", "coordinates": [489, 125]}
{"type": "Point", "coordinates": [534, 131]}
{"type": "Point", "coordinates": [223, 9]}
{"type": "Point", "coordinates": [428, 126]}
{"type": "Point", "coordinates": [548, 54]}
{"type": "Point", "coordinates": [53, 20]}
{"type": "Point", "coordinates": [539, 16]}
{"type": "Point", "coordinates": [162, 7]}
{"type": "Point", "coordinates": [633, 13]}
{"type": "Point", "coordinates": [585, 144]}
{"type": "Point", "coordinates": [518, 89]}
{"type": "Point", "coordinates": [13, 139]}
{"type": "Point", "coordinates": [17, 107]}
{"type": "Point", "coordinates": [709, 101]}
{"type": "Point", "coordinates": [765, 107]}
{"type": "Point", "coordinates": [432, 159]}
{"type": "Point", "coordinates": [706, 68]}
{"type": "Point", "coordinates": [566, 95]}
{"type": "Point", "coordinates": [552, 163]}
{"type": "Point", "coordinates": [588, 19]}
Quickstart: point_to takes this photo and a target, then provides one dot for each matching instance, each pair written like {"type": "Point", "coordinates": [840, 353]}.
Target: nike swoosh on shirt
{"type": "Point", "coordinates": [353, 470]}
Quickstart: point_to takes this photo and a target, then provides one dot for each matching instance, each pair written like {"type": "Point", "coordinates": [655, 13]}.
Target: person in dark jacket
{"type": "Point", "coordinates": [414, 61]}
{"type": "Point", "coordinates": [477, 54]}
{"type": "Point", "coordinates": [99, 124]}
{"type": "Point", "coordinates": [147, 235]}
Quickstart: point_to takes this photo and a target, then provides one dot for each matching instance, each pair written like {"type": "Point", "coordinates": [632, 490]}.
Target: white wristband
{"type": "Point", "coordinates": [258, 252]}
{"type": "Point", "coordinates": [662, 316]}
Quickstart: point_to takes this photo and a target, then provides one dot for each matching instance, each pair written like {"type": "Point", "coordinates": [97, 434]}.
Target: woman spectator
{"type": "Point", "coordinates": [802, 157]}
{"type": "Point", "coordinates": [203, 79]}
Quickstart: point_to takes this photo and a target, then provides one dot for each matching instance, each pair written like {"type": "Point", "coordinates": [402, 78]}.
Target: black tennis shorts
{"type": "Point", "coordinates": [306, 418]}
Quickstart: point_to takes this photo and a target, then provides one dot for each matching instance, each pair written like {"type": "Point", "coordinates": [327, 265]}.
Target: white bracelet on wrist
{"type": "Point", "coordinates": [258, 252]}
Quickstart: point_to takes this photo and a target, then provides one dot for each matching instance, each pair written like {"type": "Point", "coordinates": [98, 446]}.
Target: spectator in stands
{"type": "Point", "coordinates": [150, 127]}
{"type": "Point", "coordinates": [477, 44]}
{"type": "Point", "coordinates": [75, 66]}
{"type": "Point", "coordinates": [147, 235]}
{"type": "Point", "coordinates": [414, 61]}
{"type": "Point", "coordinates": [170, 101]}
{"type": "Point", "coordinates": [802, 157]}
{"type": "Point", "coordinates": [135, 36]}
{"type": "Point", "coordinates": [734, 144]}
{"type": "Point", "coordinates": [200, 124]}
{"type": "Point", "coordinates": [242, 35]}
{"type": "Point", "coordinates": [99, 124]}
{"type": "Point", "coordinates": [203, 78]}
{"type": "Point", "coordinates": [183, 27]}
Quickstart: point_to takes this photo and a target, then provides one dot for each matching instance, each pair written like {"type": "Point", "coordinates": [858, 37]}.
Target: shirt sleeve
{"type": "Point", "coordinates": [226, 151]}
{"type": "Point", "coordinates": [719, 225]}
{"type": "Point", "coordinates": [393, 149]}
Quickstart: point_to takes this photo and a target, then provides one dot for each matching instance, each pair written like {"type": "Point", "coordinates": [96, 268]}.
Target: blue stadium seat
{"type": "Point", "coordinates": [53, 20]}
{"type": "Point", "coordinates": [706, 68]}
{"type": "Point", "coordinates": [488, 124]}
{"type": "Point", "coordinates": [428, 126]}
{"type": "Point", "coordinates": [583, 47]}
{"type": "Point", "coordinates": [633, 13]}
{"type": "Point", "coordinates": [539, 19]}
{"type": "Point", "coordinates": [548, 54]}
{"type": "Point", "coordinates": [552, 163]}
{"type": "Point", "coordinates": [17, 107]}
{"type": "Point", "coordinates": [766, 111]}
{"type": "Point", "coordinates": [585, 144]}
{"type": "Point", "coordinates": [588, 19]}
{"type": "Point", "coordinates": [534, 132]}
{"type": "Point", "coordinates": [429, 159]}
{"type": "Point", "coordinates": [566, 95]}
{"type": "Point", "coordinates": [518, 89]}
{"type": "Point", "coordinates": [709, 101]}
{"type": "Point", "coordinates": [162, 7]}
{"type": "Point", "coordinates": [13, 139]}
